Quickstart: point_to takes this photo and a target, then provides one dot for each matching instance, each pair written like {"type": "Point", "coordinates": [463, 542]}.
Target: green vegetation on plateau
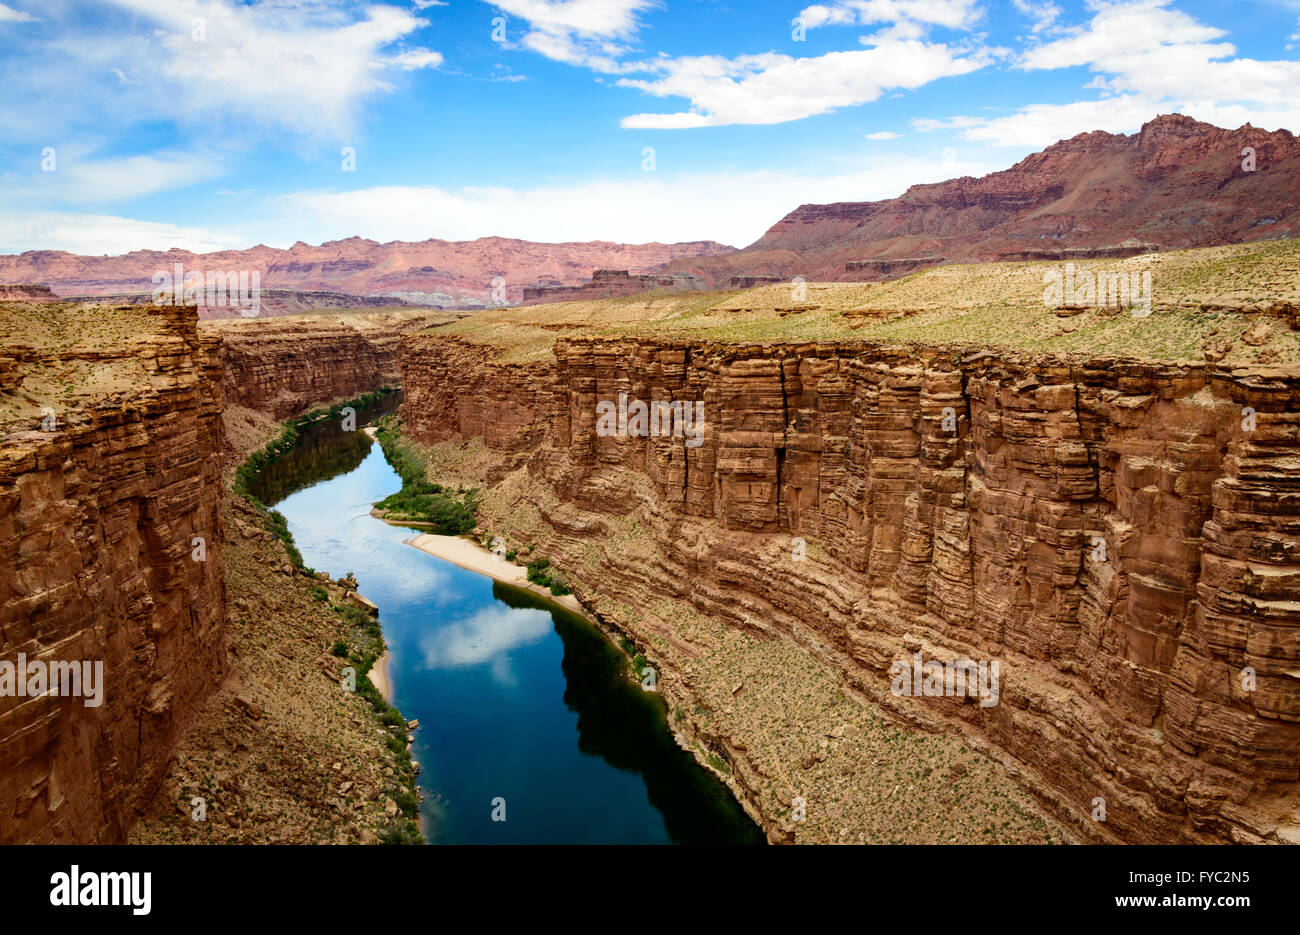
{"type": "Point", "coordinates": [1199, 296]}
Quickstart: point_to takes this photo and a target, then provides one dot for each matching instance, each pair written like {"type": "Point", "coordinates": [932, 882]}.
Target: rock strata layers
{"type": "Point", "coordinates": [111, 535]}
{"type": "Point", "coordinates": [608, 284]}
{"type": "Point", "coordinates": [284, 366]}
{"type": "Point", "coordinates": [1121, 536]}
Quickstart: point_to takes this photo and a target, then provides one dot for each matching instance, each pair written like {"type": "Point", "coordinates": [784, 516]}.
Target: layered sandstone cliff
{"type": "Point", "coordinates": [111, 535]}
{"type": "Point", "coordinates": [1122, 536]}
{"type": "Point", "coordinates": [608, 284]}
{"type": "Point", "coordinates": [287, 365]}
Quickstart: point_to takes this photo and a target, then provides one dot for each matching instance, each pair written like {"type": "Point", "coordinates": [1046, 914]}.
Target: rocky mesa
{"type": "Point", "coordinates": [1176, 183]}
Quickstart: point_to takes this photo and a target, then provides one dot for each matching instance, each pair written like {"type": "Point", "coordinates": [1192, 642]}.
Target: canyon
{"type": "Point", "coordinates": [864, 488]}
{"type": "Point", "coordinates": [1119, 532]}
{"type": "Point", "coordinates": [283, 366]}
{"type": "Point", "coordinates": [122, 426]}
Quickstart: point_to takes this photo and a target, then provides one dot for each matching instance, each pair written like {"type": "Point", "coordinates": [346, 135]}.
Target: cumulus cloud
{"type": "Point", "coordinates": [730, 207]}
{"type": "Point", "coordinates": [591, 33]}
{"type": "Point", "coordinates": [1148, 59]}
{"type": "Point", "coordinates": [302, 67]}
{"type": "Point", "coordinates": [953, 14]}
{"type": "Point", "coordinates": [775, 88]}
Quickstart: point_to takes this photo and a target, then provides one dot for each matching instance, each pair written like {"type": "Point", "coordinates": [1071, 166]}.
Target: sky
{"type": "Point", "coordinates": [214, 124]}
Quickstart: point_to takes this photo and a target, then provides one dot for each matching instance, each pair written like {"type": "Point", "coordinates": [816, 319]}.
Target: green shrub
{"type": "Point", "coordinates": [407, 832]}
{"type": "Point", "coordinates": [419, 500]}
{"type": "Point", "coordinates": [537, 572]}
{"type": "Point", "coordinates": [340, 648]}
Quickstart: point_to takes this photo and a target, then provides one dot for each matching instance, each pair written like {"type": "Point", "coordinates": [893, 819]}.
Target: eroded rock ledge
{"type": "Point", "coordinates": [1122, 679]}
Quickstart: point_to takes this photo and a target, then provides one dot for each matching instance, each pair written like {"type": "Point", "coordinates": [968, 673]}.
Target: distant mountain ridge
{"type": "Point", "coordinates": [452, 274]}
{"type": "Point", "coordinates": [1176, 183]}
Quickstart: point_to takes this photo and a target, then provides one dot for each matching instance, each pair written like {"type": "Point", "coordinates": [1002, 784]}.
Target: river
{"type": "Point", "coordinates": [518, 699]}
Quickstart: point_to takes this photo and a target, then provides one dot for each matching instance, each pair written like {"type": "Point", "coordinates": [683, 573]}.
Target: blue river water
{"type": "Point", "coordinates": [518, 699]}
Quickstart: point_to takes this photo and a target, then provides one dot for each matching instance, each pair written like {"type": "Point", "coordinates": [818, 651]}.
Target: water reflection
{"type": "Point", "coordinates": [485, 638]}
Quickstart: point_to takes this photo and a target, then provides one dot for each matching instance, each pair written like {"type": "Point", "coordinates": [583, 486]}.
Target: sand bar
{"type": "Point", "coordinates": [379, 676]}
{"type": "Point", "coordinates": [470, 555]}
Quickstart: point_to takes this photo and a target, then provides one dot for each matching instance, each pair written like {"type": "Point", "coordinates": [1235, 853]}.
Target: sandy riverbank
{"type": "Point", "coordinates": [379, 676]}
{"type": "Point", "coordinates": [470, 555]}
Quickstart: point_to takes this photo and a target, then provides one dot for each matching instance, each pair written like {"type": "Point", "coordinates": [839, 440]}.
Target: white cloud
{"type": "Point", "coordinates": [1040, 125]}
{"type": "Point", "coordinates": [82, 179]}
{"type": "Point", "coordinates": [883, 135]}
{"type": "Point", "coordinates": [1044, 13]}
{"type": "Point", "coordinates": [774, 88]}
{"type": "Point", "coordinates": [95, 234]}
{"type": "Point", "coordinates": [415, 58]}
{"type": "Point", "coordinates": [1148, 59]}
{"type": "Point", "coordinates": [10, 15]}
{"type": "Point", "coordinates": [929, 124]}
{"type": "Point", "coordinates": [230, 68]}
{"type": "Point", "coordinates": [1146, 48]}
{"type": "Point", "coordinates": [953, 14]}
{"type": "Point", "coordinates": [617, 19]}
{"type": "Point", "coordinates": [590, 33]}
{"type": "Point", "coordinates": [730, 207]}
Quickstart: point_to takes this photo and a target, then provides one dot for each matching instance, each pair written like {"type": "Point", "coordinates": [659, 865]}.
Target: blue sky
{"type": "Point", "coordinates": [209, 124]}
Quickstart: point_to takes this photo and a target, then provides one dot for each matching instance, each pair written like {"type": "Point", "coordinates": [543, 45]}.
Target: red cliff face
{"type": "Point", "coordinates": [1121, 535]}
{"type": "Point", "coordinates": [1177, 183]}
{"type": "Point", "coordinates": [285, 366]}
{"type": "Point", "coordinates": [37, 295]}
{"type": "Point", "coordinates": [98, 526]}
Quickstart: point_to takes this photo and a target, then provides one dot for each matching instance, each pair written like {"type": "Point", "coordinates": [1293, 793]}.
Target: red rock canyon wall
{"type": "Point", "coordinates": [1124, 679]}
{"type": "Point", "coordinates": [97, 528]}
